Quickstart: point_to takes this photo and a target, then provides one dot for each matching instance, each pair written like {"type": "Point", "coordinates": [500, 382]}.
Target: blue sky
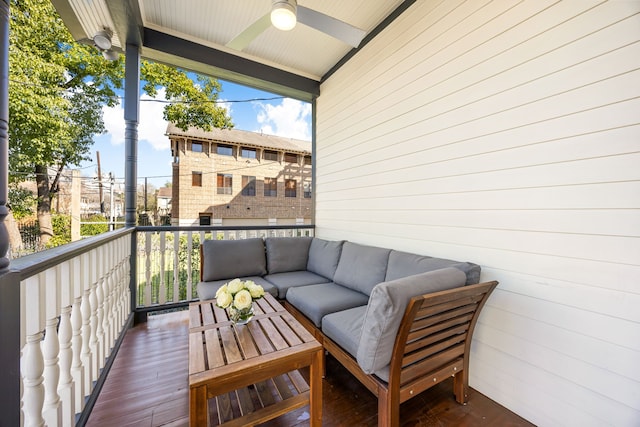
{"type": "Point", "coordinates": [284, 117]}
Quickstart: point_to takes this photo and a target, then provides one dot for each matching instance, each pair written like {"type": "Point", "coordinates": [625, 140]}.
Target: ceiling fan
{"type": "Point", "coordinates": [285, 13]}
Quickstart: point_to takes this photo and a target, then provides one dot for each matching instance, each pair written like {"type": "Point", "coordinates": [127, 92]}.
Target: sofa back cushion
{"type": "Point", "coordinates": [402, 264]}
{"type": "Point", "coordinates": [386, 308]}
{"type": "Point", "coordinates": [324, 256]}
{"type": "Point", "coordinates": [228, 259]}
{"type": "Point", "coordinates": [361, 267]}
{"type": "Point", "coordinates": [286, 254]}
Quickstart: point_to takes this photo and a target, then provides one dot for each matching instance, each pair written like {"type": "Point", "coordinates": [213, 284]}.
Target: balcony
{"type": "Point", "coordinates": [77, 305]}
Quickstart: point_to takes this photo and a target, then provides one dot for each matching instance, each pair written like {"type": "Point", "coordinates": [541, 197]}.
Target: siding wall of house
{"type": "Point", "coordinates": [506, 133]}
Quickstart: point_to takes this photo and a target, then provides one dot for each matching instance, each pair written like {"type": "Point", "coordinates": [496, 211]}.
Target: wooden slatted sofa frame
{"type": "Point", "coordinates": [433, 343]}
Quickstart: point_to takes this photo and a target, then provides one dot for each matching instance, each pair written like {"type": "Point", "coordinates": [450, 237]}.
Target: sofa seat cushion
{"type": "Point", "coordinates": [403, 264]}
{"type": "Point", "coordinates": [361, 267]}
{"type": "Point", "coordinates": [316, 301]}
{"type": "Point", "coordinates": [292, 279]}
{"type": "Point", "coordinates": [287, 253]}
{"type": "Point", "coordinates": [228, 259]}
{"type": "Point", "coordinates": [207, 290]}
{"type": "Point", "coordinates": [386, 309]}
{"type": "Point", "coordinates": [344, 328]}
{"type": "Point", "coordinates": [324, 256]}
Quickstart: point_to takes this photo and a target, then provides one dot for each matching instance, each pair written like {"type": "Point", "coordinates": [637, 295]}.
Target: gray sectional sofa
{"type": "Point", "coordinates": [357, 299]}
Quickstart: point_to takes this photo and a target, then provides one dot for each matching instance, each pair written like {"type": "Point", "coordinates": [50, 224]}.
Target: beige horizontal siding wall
{"type": "Point", "coordinates": [506, 133]}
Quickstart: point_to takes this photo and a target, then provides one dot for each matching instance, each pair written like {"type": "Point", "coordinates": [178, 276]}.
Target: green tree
{"type": "Point", "coordinates": [57, 89]}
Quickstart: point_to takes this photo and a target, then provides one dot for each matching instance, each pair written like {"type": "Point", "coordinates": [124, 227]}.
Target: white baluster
{"type": "Point", "coordinates": [121, 293]}
{"type": "Point", "coordinates": [93, 337]}
{"type": "Point", "coordinates": [76, 347]}
{"type": "Point", "coordinates": [32, 368]}
{"type": "Point", "coordinates": [115, 303]}
{"type": "Point", "coordinates": [66, 386]}
{"type": "Point", "coordinates": [118, 293]}
{"type": "Point", "coordinates": [162, 299]}
{"type": "Point", "coordinates": [176, 266]}
{"type": "Point", "coordinates": [147, 271]}
{"type": "Point", "coordinates": [51, 410]}
{"type": "Point", "coordinates": [125, 292]}
{"type": "Point", "coordinates": [100, 344]}
{"type": "Point", "coordinates": [189, 248]}
{"type": "Point", "coordinates": [108, 310]}
{"type": "Point", "coordinates": [114, 292]}
{"type": "Point", "coordinates": [113, 306]}
{"type": "Point", "coordinates": [86, 340]}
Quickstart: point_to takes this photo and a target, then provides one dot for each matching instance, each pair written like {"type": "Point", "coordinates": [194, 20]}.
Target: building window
{"type": "Point", "coordinates": [224, 150]}
{"type": "Point", "coordinates": [196, 179]}
{"type": "Point", "coordinates": [270, 155]}
{"type": "Point", "coordinates": [307, 160]}
{"type": "Point", "coordinates": [225, 183]}
{"type": "Point", "coordinates": [248, 153]}
{"type": "Point", "coordinates": [290, 158]}
{"type": "Point", "coordinates": [196, 147]}
{"type": "Point", "coordinates": [307, 189]}
{"type": "Point", "coordinates": [248, 185]}
{"type": "Point", "coordinates": [205, 219]}
{"type": "Point", "coordinates": [270, 187]}
{"type": "Point", "coordinates": [290, 186]}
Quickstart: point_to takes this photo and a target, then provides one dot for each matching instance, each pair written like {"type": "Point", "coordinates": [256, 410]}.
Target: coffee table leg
{"type": "Point", "coordinates": [198, 407]}
{"type": "Point", "coordinates": [316, 370]}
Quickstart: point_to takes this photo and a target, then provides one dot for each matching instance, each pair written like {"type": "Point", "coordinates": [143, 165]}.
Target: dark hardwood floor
{"type": "Point", "coordinates": [148, 386]}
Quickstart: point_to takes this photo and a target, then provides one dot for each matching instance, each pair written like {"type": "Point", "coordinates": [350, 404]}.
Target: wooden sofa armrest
{"type": "Point", "coordinates": [432, 344]}
{"type": "Point", "coordinates": [434, 341]}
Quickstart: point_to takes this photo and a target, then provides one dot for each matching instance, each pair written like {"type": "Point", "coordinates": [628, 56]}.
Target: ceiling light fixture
{"type": "Point", "coordinates": [283, 14]}
{"type": "Point", "coordinates": [102, 39]}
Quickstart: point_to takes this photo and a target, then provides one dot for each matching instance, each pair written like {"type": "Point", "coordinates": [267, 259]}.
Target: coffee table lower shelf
{"type": "Point", "coordinates": [259, 402]}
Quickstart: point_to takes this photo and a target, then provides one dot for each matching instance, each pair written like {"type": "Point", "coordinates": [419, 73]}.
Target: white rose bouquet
{"type": "Point", "coordinates": [238, 297]}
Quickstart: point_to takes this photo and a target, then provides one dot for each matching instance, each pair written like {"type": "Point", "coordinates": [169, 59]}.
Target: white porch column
{"type": "Point", "coordinates": [4, 132]}
{"type": "Point", "coordinates": [131, 118]}
{"type": "Point", "coordinates": [9, 282]}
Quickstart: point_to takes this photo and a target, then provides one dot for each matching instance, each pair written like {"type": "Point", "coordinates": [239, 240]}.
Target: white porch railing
{"type": "Point", "coordinates": [74, 303]}
{"type": "Point", "coordinates": [169, 258]}
{"type": "Point", "coordinates": [69, 306]}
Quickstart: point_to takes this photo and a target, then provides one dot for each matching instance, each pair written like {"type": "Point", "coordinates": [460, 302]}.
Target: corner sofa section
{"type": "Point", "coordinates": [282, 263]}
{"type": "Point", "coordinates": [373, 308]}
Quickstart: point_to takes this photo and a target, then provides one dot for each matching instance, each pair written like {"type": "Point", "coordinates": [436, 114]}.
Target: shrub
{"type": "Point", "coordinates": [61, 230]}
{"type": "Point", "coordinates": [101, 226]}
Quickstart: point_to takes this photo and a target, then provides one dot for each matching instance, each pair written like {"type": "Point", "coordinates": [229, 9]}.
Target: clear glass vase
{"type": "Point", "coordinates": [241, 317]}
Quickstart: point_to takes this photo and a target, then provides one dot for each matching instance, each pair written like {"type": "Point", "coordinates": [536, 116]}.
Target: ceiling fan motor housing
{"type": "Point", "coordinates": [283, 14]}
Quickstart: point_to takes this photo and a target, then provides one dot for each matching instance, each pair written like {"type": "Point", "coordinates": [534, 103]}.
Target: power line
{"type": "Point", "coordinates": [161, 101]}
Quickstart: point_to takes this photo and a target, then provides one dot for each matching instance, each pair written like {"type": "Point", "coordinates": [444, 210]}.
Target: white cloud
{"type": "Point", "coordinates": [151, 127]}
{"type": "Point", "coordinates": [224, 104]}
{"type": "Point", "coordinates": [114, 123]}
{"type": "Point", "coordinates": [290, 119]}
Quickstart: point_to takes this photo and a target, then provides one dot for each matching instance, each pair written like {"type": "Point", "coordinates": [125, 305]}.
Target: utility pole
{"type": "Point", "coordinates": [112, 224]}
{"type": "Point", "coordinates": [100, 183]}
{"type": "Point", "coordinates": [76, 190]}
{"type": "Point", "coordinates": [145, 194]}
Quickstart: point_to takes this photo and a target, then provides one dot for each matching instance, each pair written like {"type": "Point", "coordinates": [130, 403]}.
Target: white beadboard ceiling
{"type": "Point", "coordinates": [302, 51]}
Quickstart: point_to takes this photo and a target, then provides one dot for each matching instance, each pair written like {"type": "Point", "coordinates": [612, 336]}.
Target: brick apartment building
{"type": "Point", "coordinates": [233, 177]}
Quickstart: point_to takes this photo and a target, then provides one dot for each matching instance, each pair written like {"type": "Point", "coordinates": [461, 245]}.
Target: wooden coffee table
{"type": "Point", "coordinates": [251, 371]}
